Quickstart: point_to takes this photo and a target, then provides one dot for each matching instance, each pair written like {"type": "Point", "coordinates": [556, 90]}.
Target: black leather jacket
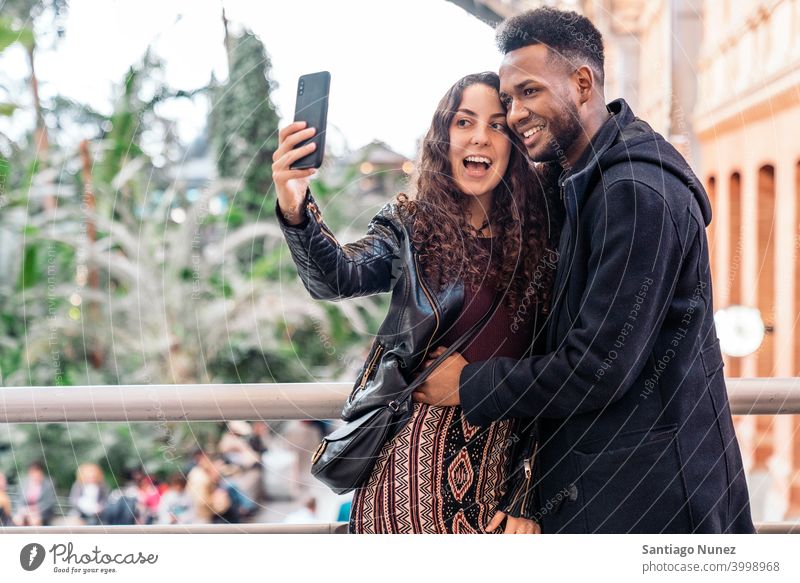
{"type": "Point", "coordinates": [385, 260]}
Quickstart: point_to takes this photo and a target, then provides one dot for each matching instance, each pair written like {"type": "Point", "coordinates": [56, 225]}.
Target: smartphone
{"type": "Point", "coordinates": [311, 107]}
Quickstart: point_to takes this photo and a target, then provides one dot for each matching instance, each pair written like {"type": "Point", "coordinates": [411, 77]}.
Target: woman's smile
{"type": "Point", "coordinates": [477, 166]}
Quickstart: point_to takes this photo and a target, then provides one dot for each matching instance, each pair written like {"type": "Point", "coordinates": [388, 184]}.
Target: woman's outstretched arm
{"type": "Point", "coordinates": [329, 270]}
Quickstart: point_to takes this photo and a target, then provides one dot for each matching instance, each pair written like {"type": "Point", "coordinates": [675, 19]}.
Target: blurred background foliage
{"type": "Point", "coordinates": [133, 258]}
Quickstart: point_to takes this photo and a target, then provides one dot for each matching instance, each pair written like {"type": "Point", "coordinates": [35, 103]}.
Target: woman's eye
{"type": "Point", "coordinates": [500, 127]}
{"type": "Point", "coordinates": [462, 123]}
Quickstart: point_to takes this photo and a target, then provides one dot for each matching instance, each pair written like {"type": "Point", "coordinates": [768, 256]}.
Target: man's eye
{"type": "Point", "coordinates": [529, 91]}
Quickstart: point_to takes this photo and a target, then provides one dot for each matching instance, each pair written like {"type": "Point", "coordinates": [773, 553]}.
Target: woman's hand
{"type": "Point", "coordinates": [441, 387]}
{"type": "Point", "coordinates": [291, 184]}
{"type": "Point", "coordinates": [433, 355]}
{"type": "Point", "coordinates": [513, 525]}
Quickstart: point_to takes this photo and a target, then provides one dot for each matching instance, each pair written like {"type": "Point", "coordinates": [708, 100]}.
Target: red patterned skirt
{"type": "Point", "coordinates": [439, 474]}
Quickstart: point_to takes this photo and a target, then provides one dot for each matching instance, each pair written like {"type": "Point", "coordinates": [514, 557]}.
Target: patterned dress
{"type": "Point", "coordinates": [440, 474]}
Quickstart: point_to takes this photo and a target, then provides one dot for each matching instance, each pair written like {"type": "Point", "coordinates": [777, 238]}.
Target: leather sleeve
{"type": "Point", "coordinates": [331, 271]}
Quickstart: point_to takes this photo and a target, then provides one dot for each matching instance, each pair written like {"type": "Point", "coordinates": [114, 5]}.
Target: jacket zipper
{"type": "Point", "coordinates": [528, 465]}
{"type": "Point", "coordinates": [370, 366]}
{"type": "Point", "coordinates": [559, 286]}
{"type": "Point", "coordinates": [432, 303]}
{"type": "Point", "coordinates": [312, 206]}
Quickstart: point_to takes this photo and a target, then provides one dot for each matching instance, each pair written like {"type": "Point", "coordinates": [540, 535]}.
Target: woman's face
{"type": "Point", "coordinates": [479, 143]}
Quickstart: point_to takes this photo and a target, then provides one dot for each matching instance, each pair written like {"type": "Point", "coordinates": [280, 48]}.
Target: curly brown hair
{"type": "Point", "coordinates": [526, 216]}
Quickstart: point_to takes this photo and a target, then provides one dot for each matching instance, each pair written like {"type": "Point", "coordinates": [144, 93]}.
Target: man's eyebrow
{"type": "Point", "coordinates": [519, 86]}
{"type": "Point", "coordinates": [522, 84]}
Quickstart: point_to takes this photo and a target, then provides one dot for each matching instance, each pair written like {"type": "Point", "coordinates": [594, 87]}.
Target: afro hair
{"type": "Point", "coordinates": [565, 33]}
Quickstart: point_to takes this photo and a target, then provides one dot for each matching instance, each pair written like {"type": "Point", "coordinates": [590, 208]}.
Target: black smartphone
{"type": "Point", "coordinates": [311, 107]}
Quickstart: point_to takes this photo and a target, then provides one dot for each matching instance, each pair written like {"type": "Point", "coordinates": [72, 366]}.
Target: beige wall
{"type": "Point", "coordinates": [748, 120]}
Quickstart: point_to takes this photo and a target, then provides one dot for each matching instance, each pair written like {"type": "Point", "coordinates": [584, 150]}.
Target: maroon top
{"type": "Point", "coordinates": [508, 333]}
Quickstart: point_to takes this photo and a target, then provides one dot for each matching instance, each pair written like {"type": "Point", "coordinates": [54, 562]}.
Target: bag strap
{"type": "Point", "coordinates": [454, 347]}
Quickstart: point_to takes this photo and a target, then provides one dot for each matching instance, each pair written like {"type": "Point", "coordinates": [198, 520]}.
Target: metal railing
{"type": "Point", "coordinates": [224, 402]}
{"type": "Point", "coordinates": [172, 402]}
{"type": "Point", "coordinates": [751, 396]}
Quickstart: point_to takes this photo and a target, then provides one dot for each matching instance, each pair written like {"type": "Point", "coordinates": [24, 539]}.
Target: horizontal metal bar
{"type": "Point", "coordinates": [764, 396]}
{"type": "Point", "coordinates": [173, 402]}
{"type": "Point", "coordinates": [778, 527]}
{"type": "Point", "coordinates": [748, 396]}
{"type": "Point", "coordinates": [325, 528]}
{"type": "Point", "coordinates": [250, 528]}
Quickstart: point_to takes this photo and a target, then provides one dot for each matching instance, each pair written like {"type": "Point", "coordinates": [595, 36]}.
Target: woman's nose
{"type": "Point", "coordinates": [481, 134]}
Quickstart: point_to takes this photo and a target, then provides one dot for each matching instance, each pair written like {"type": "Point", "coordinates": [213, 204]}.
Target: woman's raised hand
{"type": "Point", "coordinates": [291, 184]}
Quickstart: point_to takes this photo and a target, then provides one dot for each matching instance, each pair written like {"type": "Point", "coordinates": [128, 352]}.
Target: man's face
{"type": "Point", "coordinates": [541, 106]}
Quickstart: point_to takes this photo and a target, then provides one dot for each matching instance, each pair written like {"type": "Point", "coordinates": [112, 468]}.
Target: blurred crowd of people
{"type": "Point", "coordinates": [249, 468]}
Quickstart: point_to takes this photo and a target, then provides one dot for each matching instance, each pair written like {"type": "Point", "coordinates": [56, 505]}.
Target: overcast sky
{"type": "Point", "coordinates": [390, 61]}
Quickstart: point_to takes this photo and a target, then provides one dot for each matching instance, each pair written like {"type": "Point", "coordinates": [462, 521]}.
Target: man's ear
{"type": "Point", "coordinates": [585, 82]}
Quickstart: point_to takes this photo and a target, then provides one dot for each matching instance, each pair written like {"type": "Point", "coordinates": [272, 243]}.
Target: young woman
{"type": "Point", "coordinates": [478, 227]}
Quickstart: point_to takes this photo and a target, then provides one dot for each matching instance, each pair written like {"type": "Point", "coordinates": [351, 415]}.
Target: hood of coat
{"type": "Point", "coordinates": [626, 139]}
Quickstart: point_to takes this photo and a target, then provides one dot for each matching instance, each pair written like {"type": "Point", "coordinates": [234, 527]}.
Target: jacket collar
{"type": "Point", "coordinates": [574, 181]}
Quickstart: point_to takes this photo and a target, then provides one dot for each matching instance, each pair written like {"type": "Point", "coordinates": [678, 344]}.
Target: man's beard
{"type": "Point", "coordinates": [563, 131]}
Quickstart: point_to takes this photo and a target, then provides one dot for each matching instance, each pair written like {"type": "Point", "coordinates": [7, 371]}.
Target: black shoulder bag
{"type": "Point", "coordinates": [344, 459]}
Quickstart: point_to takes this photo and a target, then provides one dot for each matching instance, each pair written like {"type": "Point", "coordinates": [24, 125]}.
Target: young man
{"type": "Point", "coordinates": [634, 427]}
